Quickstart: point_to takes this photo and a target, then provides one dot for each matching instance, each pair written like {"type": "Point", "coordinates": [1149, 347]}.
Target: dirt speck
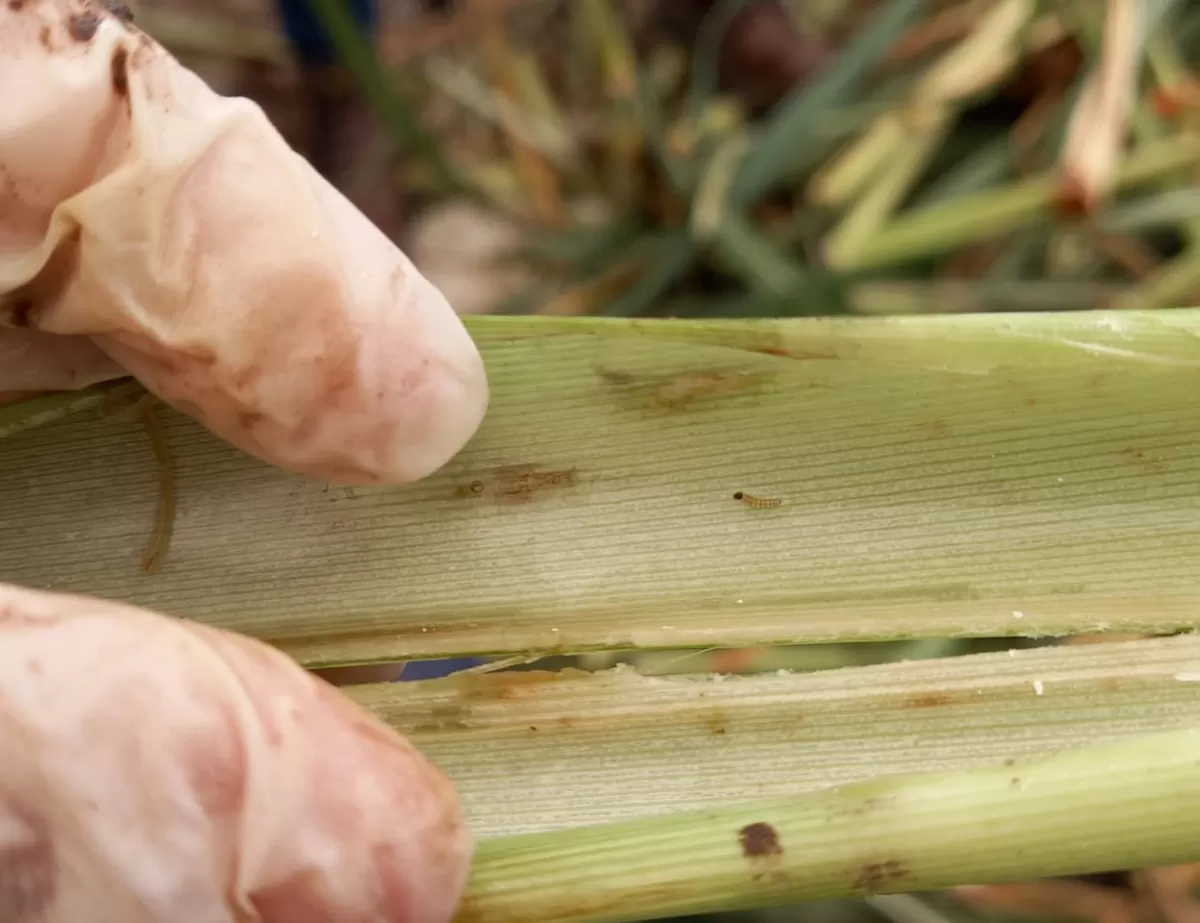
{"type": "Point", "coordinates": [874, 877]}
{"type": "Point", "coordinates": [83, 26]}
{"type": "Point", "coordinates": [759, 841]}
{"type": "Point", "coordinates": [120, 72]}
{"type": "Point", "coordinates": [1147, 463]}
{"type": "Point", "coordinates": [930, 700]}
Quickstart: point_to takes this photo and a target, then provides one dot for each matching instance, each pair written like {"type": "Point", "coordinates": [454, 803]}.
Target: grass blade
{"type": "Point", "coordinates": [937, 475]}
{"type": "Point", "coordinates": [1131, 804]}
{"type": "Point", "coordinates": [710, 742]}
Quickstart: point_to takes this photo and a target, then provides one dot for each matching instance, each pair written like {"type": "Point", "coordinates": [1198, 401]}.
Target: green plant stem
{"type": "Point", "coordinates": [788, 142]}
{"type": "Point", "coordinates": [973, 218]}
{"type": "Point", "coordinates": [1132, 804]}
{"type": "Point", "coordinates": [398, 115]}
{"type": "Point", "coordinates": [763, 268]}
{"type": "Point", "coordinates": [39, 411]}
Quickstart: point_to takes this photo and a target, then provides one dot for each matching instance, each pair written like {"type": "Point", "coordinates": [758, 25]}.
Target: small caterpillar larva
{"type": "Point", "coordinates": [758, 503]}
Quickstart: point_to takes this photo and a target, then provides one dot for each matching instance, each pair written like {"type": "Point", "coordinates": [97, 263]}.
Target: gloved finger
{"type": "Point", "coordinates": [177, 229]}
{"type": "Point", "coordinates": [34, 361]}
{"type": "Point", "coordinates": [157, 771]}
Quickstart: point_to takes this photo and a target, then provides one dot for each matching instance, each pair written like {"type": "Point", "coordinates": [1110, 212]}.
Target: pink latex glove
{"type": "Point", "coordinates": [160, 771]}
{"type": "Point", "coordinates": [152, 770]}
{"type": "Point", "coordinates": [150, 226]}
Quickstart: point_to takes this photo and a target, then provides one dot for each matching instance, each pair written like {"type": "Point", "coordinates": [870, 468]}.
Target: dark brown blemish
{"type": "Point", "coordinates": [874, 877]}
{"type": "Point", "coordinates": [16, 5]}
{"type": "Point", "coordinates": [930, 700]}
{"type": "Point", "coordinates": [801, 354]}
{"type": "Point", "coordinates": [28, 870]}
{"type": "Point", "coordinates": [83, 26]}
{"type": "Point", "coordinates": [614, 377]}
{"type": "Point", "coordinates": [760, 841]}
{"type": "Point", "coordinates": [120, 72]}
{"type": "Point", "coordinates": [44, 37]}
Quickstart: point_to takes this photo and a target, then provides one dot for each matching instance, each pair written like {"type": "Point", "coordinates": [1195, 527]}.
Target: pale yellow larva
{"type": "Point", "coordinates": [758, 503]}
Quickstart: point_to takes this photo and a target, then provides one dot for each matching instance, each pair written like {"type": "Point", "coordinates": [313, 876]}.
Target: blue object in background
{"type": "Point", "coordinates": [436, 669]}
{"type": "Point", "coordinates": [307, 36]}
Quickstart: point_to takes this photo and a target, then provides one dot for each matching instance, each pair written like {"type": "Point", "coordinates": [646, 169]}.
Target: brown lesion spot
{"type": "Point", "coordinates": [716, 722]}
{"type": "Point", "coordinates": [874, 877]}
{"type": "Point", "coordinates": [519, 483]}
{"type": "Point", "coordinates": [930, 700]}
{"type": "Point", "coordinates": [16, 5]}
{"type": "Point", "coordinates": [681, 391]}
{"type": "Point", "coordinates": [760, 841]}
